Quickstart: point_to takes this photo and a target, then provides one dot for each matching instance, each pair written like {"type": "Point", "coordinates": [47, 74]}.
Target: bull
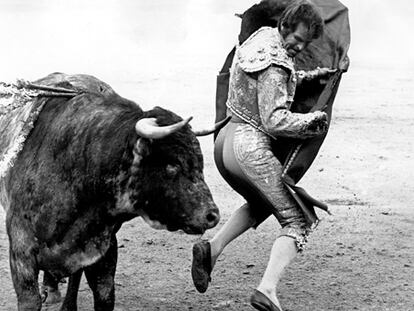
{"type": "Point", "coordinates": [92, 162]}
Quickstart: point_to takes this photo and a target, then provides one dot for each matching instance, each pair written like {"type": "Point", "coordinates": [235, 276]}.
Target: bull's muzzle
{"type": "Point", "coordinates": [207, 220]}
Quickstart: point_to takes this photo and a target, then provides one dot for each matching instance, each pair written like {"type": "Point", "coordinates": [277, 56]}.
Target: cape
{"type": "Point", "coordinates": [328, 51]}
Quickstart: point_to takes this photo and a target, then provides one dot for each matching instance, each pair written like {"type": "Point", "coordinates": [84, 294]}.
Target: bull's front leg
{"type": "Point", "coordinates": [101, 278]}
{"type": "Point", "coordinates": [23, 265]}
{"type": "Point", "coordinates": [70, 302]}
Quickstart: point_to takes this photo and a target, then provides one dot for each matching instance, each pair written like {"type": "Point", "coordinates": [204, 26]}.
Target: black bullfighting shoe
{"type": "Point", "coordinates": [260, 302]}
{"type": "Point", "coordinates": [201, 267]}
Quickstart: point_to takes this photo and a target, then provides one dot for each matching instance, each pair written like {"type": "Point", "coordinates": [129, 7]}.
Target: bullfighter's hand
{"type": "Point", "coordinates": [325, 72]}
{"type": "Point", "coordinates": [319, 73]}
{"type": "Point", "coordinates": [319, 125]}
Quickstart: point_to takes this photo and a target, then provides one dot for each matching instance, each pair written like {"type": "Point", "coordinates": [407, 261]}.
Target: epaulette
{"type": "Point", "coordinates": [262, 49]}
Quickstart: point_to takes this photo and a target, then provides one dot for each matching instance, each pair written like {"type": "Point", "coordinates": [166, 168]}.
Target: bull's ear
{"type": "Point", "coordinates": [141, 150]}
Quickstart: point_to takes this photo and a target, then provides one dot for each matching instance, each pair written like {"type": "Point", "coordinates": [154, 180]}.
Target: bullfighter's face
{"type": "Point", "coordinates": [295, 41]}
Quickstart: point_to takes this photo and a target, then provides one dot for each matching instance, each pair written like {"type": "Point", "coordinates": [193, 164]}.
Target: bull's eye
{"type": "Point", "coordinates": [172, 170]}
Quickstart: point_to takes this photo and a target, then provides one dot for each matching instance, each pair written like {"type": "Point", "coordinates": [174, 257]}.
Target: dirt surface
{"type": "Point", "coordinates": [360, 258]}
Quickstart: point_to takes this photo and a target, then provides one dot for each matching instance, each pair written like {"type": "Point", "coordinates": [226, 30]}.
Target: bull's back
{"type": "Point", "coordinates": [77, 82]}
{"type": "Point", "coordinates": [62, 183]}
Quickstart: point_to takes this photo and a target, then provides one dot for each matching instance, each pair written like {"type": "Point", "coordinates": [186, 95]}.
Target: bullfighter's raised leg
{"type": "Point", "coordinates": [23, 265]}
{"type": "Point", "coordinates": [70, 302]}
{"type": "Point", "coordinates": [101, 278]}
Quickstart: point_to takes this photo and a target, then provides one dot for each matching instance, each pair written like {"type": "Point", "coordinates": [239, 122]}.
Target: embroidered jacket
{"type": "Point", "coordinates": [262, 88]}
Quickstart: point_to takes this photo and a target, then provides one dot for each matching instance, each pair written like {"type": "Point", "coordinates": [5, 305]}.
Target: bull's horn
{"type": "Point", "coordinates": [215, 128]}
{"type": "Point", "coordinates": [148, 128]}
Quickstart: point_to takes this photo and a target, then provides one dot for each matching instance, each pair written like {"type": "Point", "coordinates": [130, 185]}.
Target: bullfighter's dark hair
{"type": "Point", "coordinates": [275, 13]}
{"type": "Point", "coordinates": [302, 11]}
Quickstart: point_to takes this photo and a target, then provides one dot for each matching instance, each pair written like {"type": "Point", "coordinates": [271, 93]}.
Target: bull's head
{"type": "Point", "coordinates": [170, 187]}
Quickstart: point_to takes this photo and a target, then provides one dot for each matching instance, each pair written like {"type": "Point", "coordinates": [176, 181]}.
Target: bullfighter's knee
{"type": "Point", "coordinates": [299, 234]}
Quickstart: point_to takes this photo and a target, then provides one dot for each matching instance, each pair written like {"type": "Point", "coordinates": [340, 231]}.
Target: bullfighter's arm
{"type": "Point", "coordinates": [274, 107]}
{"type": "Point", "coordinates": [318, 73]}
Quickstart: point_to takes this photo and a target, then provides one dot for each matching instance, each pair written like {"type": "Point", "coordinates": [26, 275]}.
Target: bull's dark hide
{"type": "Point", "coordinates": [82, 172]}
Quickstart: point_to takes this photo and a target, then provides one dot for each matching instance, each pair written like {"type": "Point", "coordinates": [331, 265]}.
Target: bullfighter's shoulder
{"type": "Point", "coordinates": [262, 49]}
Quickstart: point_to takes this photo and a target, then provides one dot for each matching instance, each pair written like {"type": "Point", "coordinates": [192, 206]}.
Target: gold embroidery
{"type": "Point", "coordinates": [274, 108]}
{"type": "Point", "coordinates": [261, 49]}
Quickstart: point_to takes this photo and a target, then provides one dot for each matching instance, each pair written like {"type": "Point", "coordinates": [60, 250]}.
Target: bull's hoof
{"type": "Point", "coordinates": [52, 297]}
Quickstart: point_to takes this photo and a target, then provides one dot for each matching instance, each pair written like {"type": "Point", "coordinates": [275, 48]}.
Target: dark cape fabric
{"type": "Point", "coordinates": [328, 51]}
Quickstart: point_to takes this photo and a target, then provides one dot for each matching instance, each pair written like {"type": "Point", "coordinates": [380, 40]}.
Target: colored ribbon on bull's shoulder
{"type": "Point", "coordinates": [20, 106]}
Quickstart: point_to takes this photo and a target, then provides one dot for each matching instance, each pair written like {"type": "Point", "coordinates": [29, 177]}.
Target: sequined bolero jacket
{"type": "Point", "coordinates": [262, 87]}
